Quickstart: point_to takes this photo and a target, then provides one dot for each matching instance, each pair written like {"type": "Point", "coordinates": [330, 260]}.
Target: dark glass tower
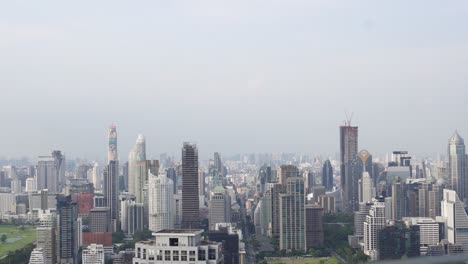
{"type": "Point", "coordinates": [67, 230]}
{"type": "Point", "coordinates": [348, 150]}
{"type": "Point", "coordinates": [111, 179]}
{"type": "Point", "coordinates": [190, 198]}
{"type": "Point", "coordinates": [327, 176]}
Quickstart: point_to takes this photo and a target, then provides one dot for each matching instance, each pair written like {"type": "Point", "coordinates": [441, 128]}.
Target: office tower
{"type": "Point", "coordinates": [230, 239]}
{"type": "Point", "coordinates": [317, 191]}
{"type": "Point", "coordinates": [95, 176]}
{"type": "Point", "coordinates": [99, 220]}
{"type": "Point", "coordinates": [359, 164]}
{"type": "Point", "coordinates": [309, 181]}
{"type": "Point", "coordinates": [388, 208]}
{"type": "Point", "coordinates": [161, 202]}
{"type": "Point", "coordinates": [327, 202]}
{"type": "Point", "coordinates": [171, 173]}
{"type": "Point", "coordinates": [314, 226]}
{"type": "Point", "coordinates": [111, 179]}
{"type": "Point", "coordinates": [292, 216]}
{"type": "Point", "coordinates": [218, 165]}
{"type": "Point", "coordinates": [456, 219]}
{"type": "Point", "coordinates": [30, 185]}
{"type": "Point", "coordinates": [93, 254]}
{"type": "Point", "coordinates": [51, 172]}
{"type": "Point", "coordinates": [137, 169]}
{"type": "Point", "coordinates": [435, 196]}
{"type": "Point", "coordinates": [67, 233]}
{"type": "Point", "coordinates": [429, 232]}
{"type": "Point", "coordinates": [276, 190]}
{"type": "Point", "coordinates": [191, 248]}
{"type": "Point", "coordinates": [7, 203]}
{"type": "Point", "coordinates": [37, 256]}
{"type": "Point", "coordinates": [375, 221]}
{"type": "Point", "coordinates": [327, 176]}
{"type": "Point", "coordinates": [219, 207]}
{"type": "Point", "coordinates": [398, 240]}
{"type": "Point", "coordinates": [457, 166]}
{"type": "Point", "coordinates": [366, 189]}
{"type": "Point", "coordinates": [348, 149]}
{"type": "Point", "coordinates": [287, 171]}
{"type": "Point", "coordinates": [135, 217]}
{"type": "Point", "coordinates": [399, 200]}
{"type": "Point", "coordinates": [190, 197]}
{"type": "Point", "coordinates": [46, 237]}
{"type": "Point", "coordinates": [265, 215]}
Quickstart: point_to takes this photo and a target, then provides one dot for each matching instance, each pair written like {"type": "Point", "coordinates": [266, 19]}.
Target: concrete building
{"type": "Point", "coordinates": [178, 246]}
{"type": "Point", "coordinates": [456, 220]}
{"type": "Point", "coordinates": [93, 254]}
{"type": "Point", "coordinates": [37, 256]}
{"type": "Point", "coordinates": [51, 172]}
{"type": "Point", "coordinates": [190, 197]}
{"type": "Point", "coordinates": [327, 202]}
{"type": "Point", "coordinates": [286, 171]}
{"type": "Point", "coordinates": [429, 231]}
{"type": "Point", "coordinates": [292, 216]}
{"type": "Point", "coordinates": [375, 221]}
{"type": "Point", "coordinates": [219, 207]}
{"type": "Point", "coordinates": [46, 236]}
{"type": "Point", "coordinates": [161, 202]}
{"type": "Point", "coordinates": [31, 185]}
{"type": "Point", "coordinates": [67, 230]}
{"type": "Point", "coordinates": [366, 188]}
{"type": "Point", "coordinates": [7, 203]}
{"type": "Point", "coordinates": [99, 220]}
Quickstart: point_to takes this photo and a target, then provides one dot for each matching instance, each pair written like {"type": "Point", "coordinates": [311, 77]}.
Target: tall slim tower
{"type": "Point", "coordinates": [190, 198]}
{"type": "Point", "coordinates": [111, 179]}
{"type": "Point", "coordinates": [348, 149]}
{"type": "Point", "coordinates": [457, 166]}
{"type": "Point", "coordinates": [327, 176]}
{"type": "Point", "coordinates": [138, 171]}
{"type": "Point", "coordinates": [51, 172]}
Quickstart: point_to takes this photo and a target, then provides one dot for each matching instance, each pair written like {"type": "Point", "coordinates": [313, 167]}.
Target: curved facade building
{"type": "Point", "coordinates": [161, 199]}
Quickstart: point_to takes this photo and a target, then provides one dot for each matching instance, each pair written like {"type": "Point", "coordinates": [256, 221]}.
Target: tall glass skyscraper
{"type": "Point", "coordinates": [111, 179]}
{"type": "Point", "coordinates": [348, 150]}
{"type": "Point", "coordinates": [190, 198]}
{"type": "Point", "coordinates": [327, 176]}
{"type": "Point", "coordinates": [457, 166]}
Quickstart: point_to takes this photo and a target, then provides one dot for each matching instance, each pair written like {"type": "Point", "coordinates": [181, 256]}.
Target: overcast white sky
{"type": "Point", "coordinates": [234, 76]}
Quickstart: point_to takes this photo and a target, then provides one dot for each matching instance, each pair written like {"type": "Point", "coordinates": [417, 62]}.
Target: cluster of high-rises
{"type": "Point", "coordinates": [403, 206]}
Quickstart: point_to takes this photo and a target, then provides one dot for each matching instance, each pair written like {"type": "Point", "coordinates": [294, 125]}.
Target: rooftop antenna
{"type": "Point", "coordinates": [349, 118]}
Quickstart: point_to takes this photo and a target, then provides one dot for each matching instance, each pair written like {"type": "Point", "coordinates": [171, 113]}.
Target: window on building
{"type": "Point", "coordinates": [201, 254]}
{"type": "Point", "coordinates": [173, 242]}
{"type": "Point", "coordinates": [167, 255]}
{"type": "Point", "coordinates": [211, 254]}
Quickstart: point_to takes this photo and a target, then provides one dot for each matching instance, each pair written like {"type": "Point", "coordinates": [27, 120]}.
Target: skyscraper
{"type": "Point", "coordinates": [287, 171]}
{"type": "Point", "coordinates": [190, 198]}
{"type": "Point", "coordinates": [375, 221]}
{"type": "Point", "coordinates": [138, 171]}
{"type": "Point", "coordinates": [111, 179]}
{"type": "Point", "coordinates": [67, 230]}
{"type": "Point", "coordinates": [456, 219]}
{"type": "Point", "coordinates": [161, 203]}
{"type": "Point", "coordinates": [348, 149]}
{"type": "Point", "coordinates": [292, 216]}
{"type": "Point", "coordinates": [361, 163]}
{"type": "Point", "coordinates": [220, 207]}
{"type": "Point", "coordinates": [51, 172]}
{"type": "Point", "coordinates": [327, 175]}
{"type": "Point", "coordinates": [457, 166]}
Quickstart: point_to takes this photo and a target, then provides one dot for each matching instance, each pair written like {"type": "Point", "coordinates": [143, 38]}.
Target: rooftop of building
{"type": "Point", "coordinates": [179, 231]}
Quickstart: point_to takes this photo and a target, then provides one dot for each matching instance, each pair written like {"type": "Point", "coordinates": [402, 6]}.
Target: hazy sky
{"type": "Point", "coordinates": [233, 76]}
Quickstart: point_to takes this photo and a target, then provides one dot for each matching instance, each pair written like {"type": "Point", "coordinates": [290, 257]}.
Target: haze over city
{"type": "Point", "coordinates": [244, 76]}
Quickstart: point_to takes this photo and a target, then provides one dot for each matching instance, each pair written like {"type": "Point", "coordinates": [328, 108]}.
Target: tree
{"type": "Point", "coordinates": [3, 238]}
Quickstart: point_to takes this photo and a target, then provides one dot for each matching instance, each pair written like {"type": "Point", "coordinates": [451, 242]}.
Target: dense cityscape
{"type": "Point", "coordinates": [248, 208]}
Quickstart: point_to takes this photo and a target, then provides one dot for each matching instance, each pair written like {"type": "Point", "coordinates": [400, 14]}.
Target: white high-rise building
{"type": "Point", "coordinates": [45, 235]}
{"type": "Point", "coordinates": [161, 202]}
{"type": "Point", "coordinates": [456, 219]}
{"type": "Point", "coordinates": [365, 192]}
{"type": "Point", "coordinates": [137, 169]}
{"type": "Point", "coordinates": [37, 256]}
{"type": "Point", "coordinates": [93, 254]}
{"type": "Point", "coordinates": [31, 185]}
{"type": "Point", "coordinates": [7, 203]}
{"type": "Point", "coordinates": [457, 166]}
{"type": "Point", "coordinates": [95, 176]}
{"type": "Point", "coordinates": [375, 221]}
